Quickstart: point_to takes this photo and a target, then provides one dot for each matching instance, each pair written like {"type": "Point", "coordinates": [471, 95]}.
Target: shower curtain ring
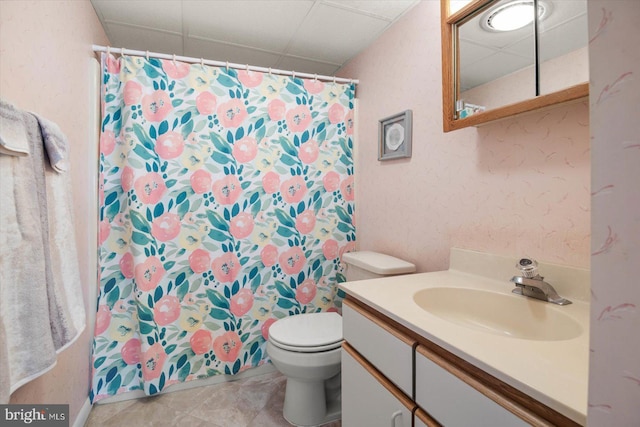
{"type": "Point", "coordinates": [227, 65]}
{"type": "Point", "coordinates": [269, 71]}
{"type": "Point", "coordinates": [147, 55]}
{"type": "Point", "coordinates": [334, 80]}
{"type": "Point", "coordinates": [108, 50]}
{"type": "Point", "coordinates": [247, 68]}
{"type": "Point", "coordinates": [315, 77]}
{"type": "Point", "coordinates": [174, 60]}
{"type": "Point", "coordinates": [202, 62]}
{"type": "Point", "coordinates": [293, 73]}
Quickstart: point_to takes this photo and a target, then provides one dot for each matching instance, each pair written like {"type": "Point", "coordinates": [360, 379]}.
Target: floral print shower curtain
{"type": "Point", "coordinates": [226, 202]}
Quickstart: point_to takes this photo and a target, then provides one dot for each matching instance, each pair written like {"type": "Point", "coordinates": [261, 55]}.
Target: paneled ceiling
{"type": "Point", "coordinates": [311, 36]}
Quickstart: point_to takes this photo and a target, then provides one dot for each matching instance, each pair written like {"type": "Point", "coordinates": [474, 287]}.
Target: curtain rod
{"type": "Point", "coordinates": [123, 51]}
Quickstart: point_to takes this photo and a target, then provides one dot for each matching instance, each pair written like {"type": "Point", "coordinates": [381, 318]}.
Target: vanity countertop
{"type": "Point", "coordinates": [552, 372]}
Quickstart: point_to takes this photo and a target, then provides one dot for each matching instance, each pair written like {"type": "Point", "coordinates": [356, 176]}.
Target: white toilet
{"type": "Point", "coordinates": [306, 348]}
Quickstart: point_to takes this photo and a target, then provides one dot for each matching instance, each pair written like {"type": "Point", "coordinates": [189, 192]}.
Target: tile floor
{"type": "Point", "coordinates": [250, 402]}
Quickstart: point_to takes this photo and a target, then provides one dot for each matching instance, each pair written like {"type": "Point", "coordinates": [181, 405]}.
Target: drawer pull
{"type": "Point", "coordinates": [394, 416]}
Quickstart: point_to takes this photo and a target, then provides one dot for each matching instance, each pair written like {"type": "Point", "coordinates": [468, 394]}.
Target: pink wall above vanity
{"type": "Point", "coordinates": [516, 187]}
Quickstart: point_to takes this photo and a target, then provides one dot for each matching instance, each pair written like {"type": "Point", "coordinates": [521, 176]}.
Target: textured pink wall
{"type": "Point", "coordinates": [519, 186]}
{"type": "Point", "coordinates": [614, 383]}
{"type": "Point", "coordinates": [46, 67]}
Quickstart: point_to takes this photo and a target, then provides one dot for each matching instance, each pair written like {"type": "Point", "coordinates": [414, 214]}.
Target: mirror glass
{"type": "Point", "coordinates": [563, 38]}
{"type": "Point", "coordinates": [503, 65]}
{"type": "Point", "coordinates": [495, 68]}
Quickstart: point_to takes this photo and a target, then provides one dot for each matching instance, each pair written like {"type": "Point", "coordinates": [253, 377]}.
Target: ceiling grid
{"type": "Point", "coordinates": [311, 36]}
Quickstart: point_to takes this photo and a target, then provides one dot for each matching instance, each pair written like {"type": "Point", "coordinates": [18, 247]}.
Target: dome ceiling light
{"type": "Point", "coordinates": [513, 15]}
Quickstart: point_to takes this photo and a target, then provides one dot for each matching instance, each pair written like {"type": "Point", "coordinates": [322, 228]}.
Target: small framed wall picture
{"type": "Point", "coordinates": [394, 136]}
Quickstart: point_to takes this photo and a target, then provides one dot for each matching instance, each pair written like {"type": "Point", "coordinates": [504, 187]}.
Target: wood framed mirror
{"type": "Point", "coordinates": [491, 73]}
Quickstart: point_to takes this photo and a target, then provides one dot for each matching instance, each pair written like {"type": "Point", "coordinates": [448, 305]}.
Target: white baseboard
{"type": "Point", "coordinates": [265, 368]}
{"type": "Point", "coordinates": [83, 415]}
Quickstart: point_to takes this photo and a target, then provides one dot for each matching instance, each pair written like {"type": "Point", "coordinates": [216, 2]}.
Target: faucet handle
{"type": "Point", "coordinates": [528, 267]}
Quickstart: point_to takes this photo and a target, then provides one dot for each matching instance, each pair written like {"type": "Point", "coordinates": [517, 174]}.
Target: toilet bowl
{"type": "Point", "coordinates": [306, 348]}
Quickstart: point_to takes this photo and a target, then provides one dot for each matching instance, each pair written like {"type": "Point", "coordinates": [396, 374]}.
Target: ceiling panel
{"type": "Point", "coordinates": [472, 31]}
{"type": "Point", "coordinates": [471, 52]}
{"type": "Point", "coordinates": [263, 24]}
{"type": "Point", "coordinates": [525, 48]}
{"type": "Point", "coordinates": [142, 39]}
{"type": "Point", "coordinates": [307, 66]}
{"type": "Point", "coordinates": [574, 35]}
{"type": "Point", "coordinates": [562, 11]}
{"type": "Point", "coordinates": [390, 9]}
{"type": "Point", "coordinates": [198, 48]}
{"type": "Point", "coordinates": [165, 15]}
{"type": "Point", "coordinates": [334, 34]}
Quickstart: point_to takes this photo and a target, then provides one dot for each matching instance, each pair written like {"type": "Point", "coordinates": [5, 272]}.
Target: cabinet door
{"type": "Point", "coordinates": [418, 423]}
{"type": "Point", "coordinates": [453, 402]}
{"type": "Point", "coordinates": [389, 350]}
{"type": "Point", "coordinates": [369, 399]}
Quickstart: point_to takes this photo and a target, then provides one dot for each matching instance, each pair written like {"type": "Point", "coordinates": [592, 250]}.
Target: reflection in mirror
{"type": "Point", "coordinates": [563, 38]}
{"type": "Point", "coordinates": [496, 67]}
{"type": "Point", "coordinates": [489, 74]}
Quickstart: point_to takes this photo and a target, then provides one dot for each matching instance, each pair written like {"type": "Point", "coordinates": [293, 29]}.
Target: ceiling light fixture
{"type": "Point", "coordinates": [512, 15]}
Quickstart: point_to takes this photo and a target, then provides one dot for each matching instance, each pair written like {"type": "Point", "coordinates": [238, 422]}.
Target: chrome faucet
{"type": "Point", "coordinates": [531, 284]}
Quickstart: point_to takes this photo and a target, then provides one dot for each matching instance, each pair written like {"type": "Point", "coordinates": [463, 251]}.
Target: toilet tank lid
{"type": "Point", "coordinates": [378, 263]}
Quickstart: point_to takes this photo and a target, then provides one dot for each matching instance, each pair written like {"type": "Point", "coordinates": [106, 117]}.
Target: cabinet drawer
{"type": "Point", "coordinates": [389, 350]}
{"type": "Point", "coordinates": [368, 398]}
{"type": "Point", "coordinates": [453, 402]}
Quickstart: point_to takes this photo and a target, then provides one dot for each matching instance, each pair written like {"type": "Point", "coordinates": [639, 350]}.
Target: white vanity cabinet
{"type": "Point", "coordinates": [392, 376]}
{"type": "Point", "coordinates": [370, 399]}
{"type": "Point", "coordinates": [386, 348]}
{"type": "Point", "coordinates": [422, 419]}
{"type": "Point", "coordinates": [452, 401]}
{"type": "Point", "coordinates": [377, 372]}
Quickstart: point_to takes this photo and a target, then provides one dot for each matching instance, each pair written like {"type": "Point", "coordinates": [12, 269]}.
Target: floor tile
{"type": "Point", "coordinates": [184, 400]}
{"type": "Point", "coordinates": [249, 402]}
{"type": "Point", "coordinates": [101, 413]}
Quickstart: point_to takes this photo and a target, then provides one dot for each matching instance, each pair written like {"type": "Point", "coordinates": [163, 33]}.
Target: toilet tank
{"type": "Point", "coordinates": [371, 265]}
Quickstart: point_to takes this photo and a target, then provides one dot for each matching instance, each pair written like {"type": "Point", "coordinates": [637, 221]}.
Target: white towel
{"type": "Point", "coordinates": [5, 378]}
{"type": "Point", "coordinates": [66, 306]}
{"type": "Point", "coordinates": [55, 144]}
{"type": "Point", "coordinates": [41, 306]}
{"type": "Point", "coordinates": [13, 136]}
{"type": "Point", "coordinates": [24, 305]}
{"type": "Point", "coordinates": [63, 258]}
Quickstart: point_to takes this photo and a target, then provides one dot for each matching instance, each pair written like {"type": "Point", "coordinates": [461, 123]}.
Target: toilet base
{"type": "Point", "coordinates": [298, 394]}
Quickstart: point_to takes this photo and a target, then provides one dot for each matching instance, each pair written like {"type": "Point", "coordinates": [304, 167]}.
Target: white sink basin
{"type": "Point", "coordinates": [508, 315]}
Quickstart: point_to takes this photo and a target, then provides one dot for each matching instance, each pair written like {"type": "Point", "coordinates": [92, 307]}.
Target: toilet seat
{"type": "Point", "coordinates": [307, 333]}
{"type": "Point", "coordinates": [300, 349]}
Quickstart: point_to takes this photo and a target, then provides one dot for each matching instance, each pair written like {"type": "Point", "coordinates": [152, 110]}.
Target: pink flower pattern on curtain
{"type": "Point", "coordinates": [226, 202]}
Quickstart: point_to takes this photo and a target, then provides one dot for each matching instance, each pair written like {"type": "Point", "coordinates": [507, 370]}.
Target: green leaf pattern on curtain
{"type": "Point", "coordinates": [226, 202]}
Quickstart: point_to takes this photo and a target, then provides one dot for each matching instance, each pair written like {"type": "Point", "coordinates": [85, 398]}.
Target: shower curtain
{"type": "Point", "coordinates": [226, 202]}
